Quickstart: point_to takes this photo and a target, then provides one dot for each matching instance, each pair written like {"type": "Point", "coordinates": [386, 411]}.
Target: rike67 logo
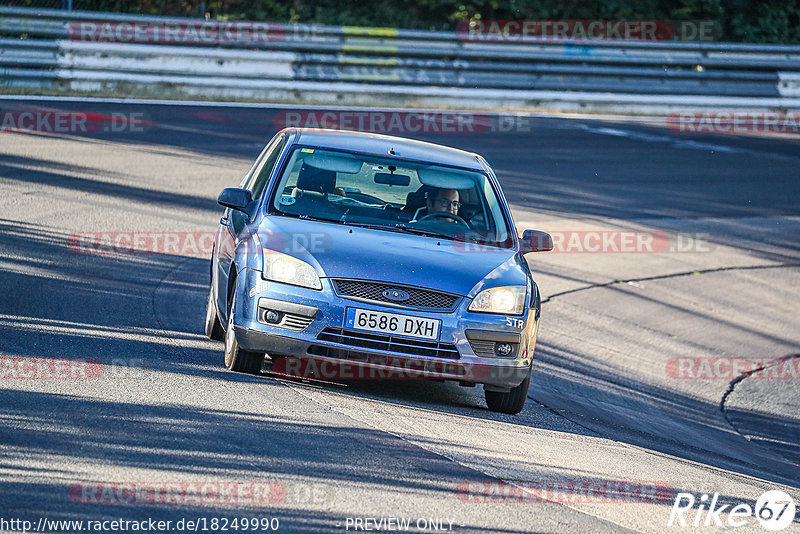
{"type": "Point", "coordinates": [774, 509]}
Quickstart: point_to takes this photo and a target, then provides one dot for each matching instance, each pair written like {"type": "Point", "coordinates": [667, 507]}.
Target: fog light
{"type": "Point", "coordinates": [272, 316]}
{"type": "Point", "coordinates": [503, 349]}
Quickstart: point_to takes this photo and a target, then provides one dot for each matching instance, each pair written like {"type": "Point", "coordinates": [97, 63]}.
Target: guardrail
{"type": "Point", "coordinates": [58, 50]}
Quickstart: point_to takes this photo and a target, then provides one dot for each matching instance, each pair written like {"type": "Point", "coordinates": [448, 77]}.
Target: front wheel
{"type": "Point", "coordinates": [236, 358]}
{"type": "Point", "coordinates": [511, 401]}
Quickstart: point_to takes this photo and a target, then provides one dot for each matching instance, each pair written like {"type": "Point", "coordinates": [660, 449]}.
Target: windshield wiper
{"type": "Point", "coordinates": [399, 228]}
{"type": "Point", "coordinates": [371, 226]}
{"type": "Point", "coordinates": [421, 231]}
{"type": "Point", "coordinates": [466, 237]}
{"type": "Point", "coordinates": [304, 217]}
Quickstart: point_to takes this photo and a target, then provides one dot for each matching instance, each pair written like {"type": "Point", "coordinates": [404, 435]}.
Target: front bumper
{"type": "Point", "coordinates": [310, 325]}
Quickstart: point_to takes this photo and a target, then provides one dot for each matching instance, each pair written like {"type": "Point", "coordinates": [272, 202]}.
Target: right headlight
{"type": "Point", "coordinates": [509, 300]}
{"type": "Point", "coordinates": [289, 270]}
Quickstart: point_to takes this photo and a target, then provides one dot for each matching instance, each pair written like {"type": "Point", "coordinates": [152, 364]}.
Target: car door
{"type": "Point", "coordinates": [233, 222]}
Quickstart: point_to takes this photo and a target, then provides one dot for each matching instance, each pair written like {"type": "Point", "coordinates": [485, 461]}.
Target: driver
{"type": "Point", "coordinates": [442, 201]}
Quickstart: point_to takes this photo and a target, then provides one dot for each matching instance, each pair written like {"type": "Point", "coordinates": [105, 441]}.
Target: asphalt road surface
{"type": "Point", "coordinates": [115, 405]}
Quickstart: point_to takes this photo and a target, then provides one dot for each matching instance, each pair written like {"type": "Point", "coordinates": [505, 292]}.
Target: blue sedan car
{"type": "Point", "coordinates": [347, 250]}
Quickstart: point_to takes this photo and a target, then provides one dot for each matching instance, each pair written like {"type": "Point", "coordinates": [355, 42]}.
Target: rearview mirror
{"type": "Point", "coordinates": [235, 198]}
{"type": "Point", "coordinates": [535, 241]}
{"type": "Point", "coordinates": [392, 179]}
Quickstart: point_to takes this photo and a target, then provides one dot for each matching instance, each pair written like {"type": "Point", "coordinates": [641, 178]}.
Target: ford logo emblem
{"type": "Point", "coordinates": [397, 295]}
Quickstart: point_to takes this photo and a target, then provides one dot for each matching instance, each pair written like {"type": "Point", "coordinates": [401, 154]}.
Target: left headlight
{"type": "Point", "coordinates": [502, 299]}
{"type": "Point", "coordinates": [283, 268]}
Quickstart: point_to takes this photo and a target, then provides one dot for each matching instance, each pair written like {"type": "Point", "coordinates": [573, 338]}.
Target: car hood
{"type": "Point", "coordinates": [340, 251]}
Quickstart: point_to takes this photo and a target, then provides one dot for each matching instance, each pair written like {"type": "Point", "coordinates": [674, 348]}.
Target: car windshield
{"type": "Point", "coordinates": [391, 194]}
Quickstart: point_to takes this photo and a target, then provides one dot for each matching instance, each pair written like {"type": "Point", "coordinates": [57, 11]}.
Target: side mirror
{"type": "Point", "coordinates": [535, 241]}
{"type": "Point", "coordinates": [235, 198]}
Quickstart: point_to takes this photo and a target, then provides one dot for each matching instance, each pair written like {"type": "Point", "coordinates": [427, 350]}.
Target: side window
{"type": "Point", "coordinates": [247, 181]}
{"type": "Point", "coordinates": [259, 179]}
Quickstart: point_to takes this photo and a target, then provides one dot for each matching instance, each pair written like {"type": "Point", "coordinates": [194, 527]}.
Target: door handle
{"type": "Point", "coordinates": [224, 221]}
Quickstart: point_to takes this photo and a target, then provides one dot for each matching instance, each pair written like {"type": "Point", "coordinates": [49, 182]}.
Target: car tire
{"type": "Point", "coordinates": [236, 358]}
{"type": "Point", "coordinates": [214, 329]}
{"type": "Point", "coordinates": [510, 402]}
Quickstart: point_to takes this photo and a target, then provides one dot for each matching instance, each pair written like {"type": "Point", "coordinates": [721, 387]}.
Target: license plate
{"type": "Point", "coordinates": [392, 323]}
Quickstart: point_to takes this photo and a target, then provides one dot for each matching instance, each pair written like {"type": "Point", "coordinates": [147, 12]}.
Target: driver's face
{"type": "Point", "coordinates": [444, 200]}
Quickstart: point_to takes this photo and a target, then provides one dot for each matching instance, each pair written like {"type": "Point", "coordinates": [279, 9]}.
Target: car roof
{"type": "Point", "coordinates": [379, 145]}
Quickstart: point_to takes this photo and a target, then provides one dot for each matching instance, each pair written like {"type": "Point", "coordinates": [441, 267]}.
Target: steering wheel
{"type": "Point", "coordinates": [445, 215]}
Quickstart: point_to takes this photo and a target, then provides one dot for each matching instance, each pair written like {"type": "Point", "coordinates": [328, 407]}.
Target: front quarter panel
{"type": "Point", "coordinates": [248, 251]}
{"type": "Point", "coordinates": [509, 273]}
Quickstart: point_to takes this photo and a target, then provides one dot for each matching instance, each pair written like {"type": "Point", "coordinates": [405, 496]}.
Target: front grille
{"type": "Point", "coordinates": [368, 340]}
{"type": "Point", "coordinates": [373, 292]}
